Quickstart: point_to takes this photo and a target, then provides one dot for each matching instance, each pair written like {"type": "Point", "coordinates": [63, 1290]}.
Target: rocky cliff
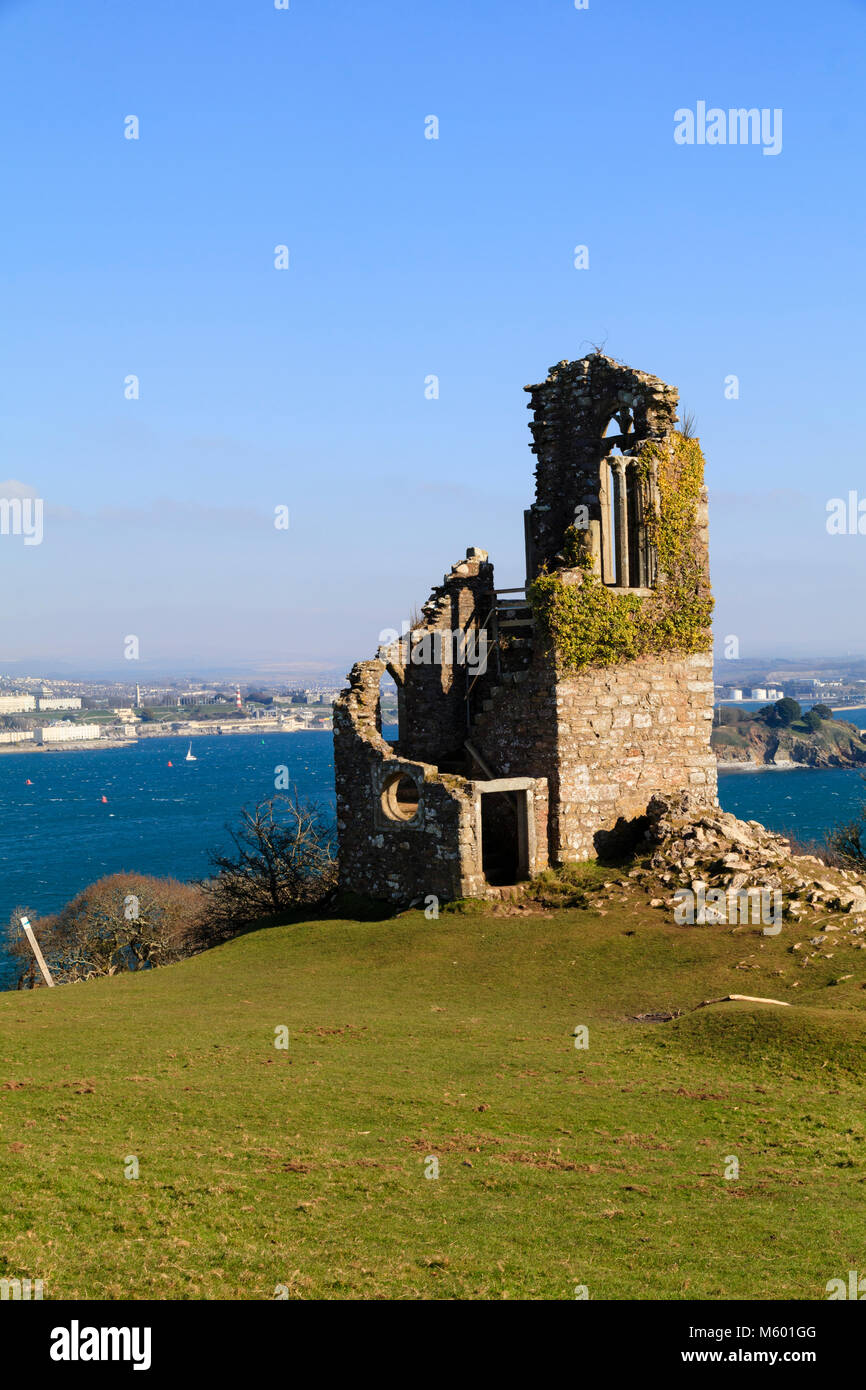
{"type": "Point", "coordinates": [836, 743]}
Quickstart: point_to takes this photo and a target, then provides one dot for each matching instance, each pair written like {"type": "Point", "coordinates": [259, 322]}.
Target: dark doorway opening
{"type": "Point", "coordinates": [503, 837]}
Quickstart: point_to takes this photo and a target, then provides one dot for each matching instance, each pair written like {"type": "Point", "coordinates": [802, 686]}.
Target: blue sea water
{"type": "Point", "coordinates": [802, 802]}
{"type": "Point", "coordinates": [799, 801]}
{"type": "Point", "coordinates": [57, 835]}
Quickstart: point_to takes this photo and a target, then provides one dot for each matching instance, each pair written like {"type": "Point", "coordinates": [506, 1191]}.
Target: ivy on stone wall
{"type": "Point", "coordinates": [589, 624]}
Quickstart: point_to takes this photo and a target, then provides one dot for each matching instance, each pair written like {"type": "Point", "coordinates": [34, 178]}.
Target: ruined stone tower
{"type": "Point", "coordinates": [536, 723]}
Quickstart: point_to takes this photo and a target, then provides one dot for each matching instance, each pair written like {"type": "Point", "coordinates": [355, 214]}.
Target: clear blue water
{"type": "Point", "coordinates": [797, 801]}
{"type": "Point", "coordinates": [57, 835]}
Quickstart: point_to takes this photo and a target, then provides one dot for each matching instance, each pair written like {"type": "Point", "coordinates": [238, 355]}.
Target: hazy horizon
{"type": "Point", "coordinates": [725, 672]}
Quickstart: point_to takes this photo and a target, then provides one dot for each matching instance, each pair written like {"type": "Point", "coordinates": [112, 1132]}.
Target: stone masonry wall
{"type": "Point", "coordinates": [571, 409]}
{"type": "Point", "coordinates": [515, 732]}
{"type": "Point", "coordinates": [432, 670]}
{"type": "Point", "coordinates": [607, 740]}
{"type": "Point", "coordinates": [399, 861]}
{"type": "Point", "coordinates": [626, 734]}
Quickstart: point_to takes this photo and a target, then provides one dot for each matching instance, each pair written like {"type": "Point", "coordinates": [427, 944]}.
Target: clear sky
{"type": "Point", "coordinates": [408, 257]}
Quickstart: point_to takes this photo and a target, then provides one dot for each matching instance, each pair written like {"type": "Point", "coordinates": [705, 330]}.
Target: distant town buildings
{"type": "Point", "coordinates": [17, 704]}
{"type": "Point", "coordinates": [765, 693]}
{"type": "Point", "coordinates": [769, 692]}
{"type": "Point", "coordinates": [132, 710]}
{"type": "Point", "coordinates": [67, 733]}
{"type": "Point", "coordinates": [307, 697]}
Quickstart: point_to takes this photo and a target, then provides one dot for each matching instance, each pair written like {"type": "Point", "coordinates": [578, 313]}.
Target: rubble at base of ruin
{"type": "Point", "coordinates": [691, 848]}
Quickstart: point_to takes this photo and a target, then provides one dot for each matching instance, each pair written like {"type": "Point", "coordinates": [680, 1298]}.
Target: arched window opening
{"type": "Point", "coordinates": [619, 425]}
{"type": "Point", "coordinates": [636, 528]}
{"type": "Point", "coordinates": [618, 517]}
{"type": "Point", "coordinates": [608, 523]}
{"type": "Point", "coordinates": [390, 703]}
{"type": "Point", "coordinates": [626, 555]}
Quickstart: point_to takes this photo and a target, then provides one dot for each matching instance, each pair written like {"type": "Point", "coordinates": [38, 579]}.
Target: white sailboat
{"type": "Point", "coordinates": [190, 756]}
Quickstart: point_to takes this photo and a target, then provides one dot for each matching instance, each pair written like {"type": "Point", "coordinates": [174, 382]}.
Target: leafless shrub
{"type": "Point", "coordinates": [284, 859]}
{"type": "Point", "coordinates": [847, 842]}
{"type": "Point", "coordinates": [817, 849]}
{"type": "Point", "coordinates": [122, 922]}
{"type": "Point", "coordinates": [688, 424]}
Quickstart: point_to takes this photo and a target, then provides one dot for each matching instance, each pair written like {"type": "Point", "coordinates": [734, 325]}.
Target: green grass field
{"type": "Point", "coordinates": [453, 1038]}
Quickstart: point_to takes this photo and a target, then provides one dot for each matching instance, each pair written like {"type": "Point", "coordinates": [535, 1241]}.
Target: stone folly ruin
{"type": "Point", "coordinates": [537, 723]}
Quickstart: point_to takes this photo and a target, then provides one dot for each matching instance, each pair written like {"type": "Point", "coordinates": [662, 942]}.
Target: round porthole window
{"type": "Point", "coordinates": [400, 797]}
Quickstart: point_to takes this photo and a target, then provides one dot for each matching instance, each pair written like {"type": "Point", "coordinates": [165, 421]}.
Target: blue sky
{"type": "Point", "coordinates": [408, 257]}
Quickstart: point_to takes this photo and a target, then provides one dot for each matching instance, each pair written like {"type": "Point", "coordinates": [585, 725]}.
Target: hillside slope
{"type": "Point", "coordinates": [411, 1039]}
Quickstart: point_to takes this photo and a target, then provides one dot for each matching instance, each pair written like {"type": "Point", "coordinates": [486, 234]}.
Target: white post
{"type": "Point", "coordinates": [40, 959]}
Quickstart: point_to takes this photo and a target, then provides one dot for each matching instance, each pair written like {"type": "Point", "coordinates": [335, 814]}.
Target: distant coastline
{"type": "Point", "coordinates": [748, 766]}
{"type": "Point", "coordinates": [84, 744]}
{"type": "Point", "coordinates": [91, 744]}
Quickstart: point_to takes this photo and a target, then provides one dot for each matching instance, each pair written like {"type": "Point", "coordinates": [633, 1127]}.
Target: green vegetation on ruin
{"type": "Point", "coordinates": [411, 1038]}
{"type": "Point", "coordinates": [589, 624]}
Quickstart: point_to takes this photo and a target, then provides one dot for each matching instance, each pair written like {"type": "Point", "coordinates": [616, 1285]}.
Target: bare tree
{"type": "Point", "coordinates": [284, 858]}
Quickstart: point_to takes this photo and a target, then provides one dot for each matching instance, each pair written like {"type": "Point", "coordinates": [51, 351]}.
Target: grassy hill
{"type": "Point", "coordinates": [452, 1038]}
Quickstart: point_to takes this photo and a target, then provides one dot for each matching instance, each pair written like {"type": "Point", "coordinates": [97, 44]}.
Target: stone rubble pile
{"type": "Point", "coordinates": [698, 849]}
